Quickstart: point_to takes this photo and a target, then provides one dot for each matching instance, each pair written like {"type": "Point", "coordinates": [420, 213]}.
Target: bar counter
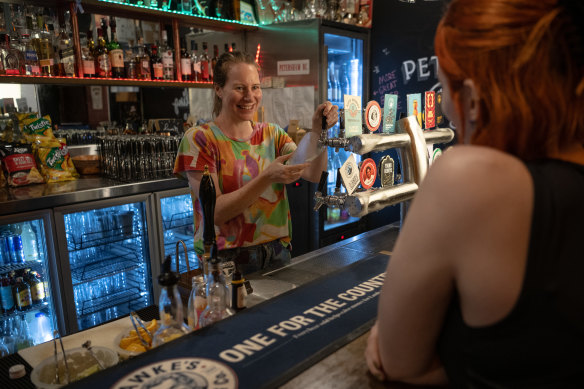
{"type": "Point", "coordinates": [308, 285]}
{"type": "Point", "coordinates": [87, 188]}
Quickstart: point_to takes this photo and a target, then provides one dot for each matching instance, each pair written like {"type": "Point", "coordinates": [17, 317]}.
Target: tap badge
{"type": "Point", "coordinates": [372, 116]}
{"type": "Point", "coordinates": [368, 173]}
{"type": "Point", "coordinates": [386, 171]}
{"type": "Point", "coordinates": [192, 373]}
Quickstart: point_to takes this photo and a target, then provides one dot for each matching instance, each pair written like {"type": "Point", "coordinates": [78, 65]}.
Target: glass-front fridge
{"type": "Point", "coordinates": [106, 259]}
{"type": "Point", "coordinates": [29, 292]}
{"type": "Point", "coordinates": [174, 211]}
{"type": "Point", "coordinates": [344, 69]}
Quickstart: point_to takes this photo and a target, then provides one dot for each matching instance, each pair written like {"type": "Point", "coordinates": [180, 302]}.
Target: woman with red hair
{"type": "Point", "coordinates": [484, 285]}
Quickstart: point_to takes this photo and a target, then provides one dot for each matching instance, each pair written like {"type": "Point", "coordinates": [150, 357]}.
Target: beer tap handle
{"type": "Point", "coordinates": [207, 197]}
{"type": "Point", "coordinates": [339, 181]}
{"type": "Point", "coordinates": [322, 183]}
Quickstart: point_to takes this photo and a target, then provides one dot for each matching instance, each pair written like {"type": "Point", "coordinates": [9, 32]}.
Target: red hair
{"type": "Point", "coordinates": [529, 79]}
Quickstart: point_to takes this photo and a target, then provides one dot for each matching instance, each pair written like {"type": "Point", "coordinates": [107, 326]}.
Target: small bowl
{"type": "Point", "coordinates": [81, 364]}
{"type": "Point", "coordinates": [87, 164]}
{"type": "Point", "coordinates": [122, 352]}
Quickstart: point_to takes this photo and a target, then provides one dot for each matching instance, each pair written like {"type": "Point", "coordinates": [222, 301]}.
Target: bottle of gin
{"type": "Point", "coordinates": [170, 307]}
{"type": "Point", "coordinates": [167, 58]}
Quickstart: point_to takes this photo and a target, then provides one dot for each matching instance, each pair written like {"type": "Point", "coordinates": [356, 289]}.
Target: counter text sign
{"type": "Point", "coordinates": [292, 68]}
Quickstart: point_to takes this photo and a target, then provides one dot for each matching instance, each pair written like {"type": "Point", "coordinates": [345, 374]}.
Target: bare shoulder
{"type": "Point", "coordinates": [475, 175]}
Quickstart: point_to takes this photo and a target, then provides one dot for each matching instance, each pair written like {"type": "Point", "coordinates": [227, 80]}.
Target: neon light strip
{"type": "Point", "coordinates": [180, 13]}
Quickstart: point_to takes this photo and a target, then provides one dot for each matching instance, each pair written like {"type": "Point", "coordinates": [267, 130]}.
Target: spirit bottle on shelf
{"type": "Point", "coordinates": [186, 67]}
{"type": "Point", "coordinates": [143, 71]}
{"type": "Point", "coordinates": [195, 62]}
{"type": "Point", "coordinates": [102, 59]}
{"type": "Point", "coordinates": [167, 58]}
{"type": "Point", "coordinates": [116, 53]}
{"type": "Point", "coordinates": [156, 64]}
{"type": "Point", "coordinates": [205, 63]}
{"type": "Point", "coordinates": [87, 56]}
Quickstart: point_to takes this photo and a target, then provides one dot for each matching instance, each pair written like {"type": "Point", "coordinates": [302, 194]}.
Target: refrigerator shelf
{"type": "Point", "coordinates": [34, 307]}
{"type": "Point", "coordinates": [181, 219]}
{"type": "Point", "coordinates": [20, 266]}
{"type": "Point", "coordinates": [105, 268]}
{"type": "Point", "coordinates": [100, 238]}
{"type": "Point", "coordinates": [117, 299]}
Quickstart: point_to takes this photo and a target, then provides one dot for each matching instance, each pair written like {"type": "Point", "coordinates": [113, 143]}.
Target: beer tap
{"type": "Point", "coordinates": [338, 143]}
{"type": "Point", "coordinates": [320, 195]}
{"type": "Point", "coordinates": [207, 198]}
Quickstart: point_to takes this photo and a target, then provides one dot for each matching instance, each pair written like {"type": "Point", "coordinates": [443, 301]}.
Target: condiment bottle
{"type": "Point", "coordinates": [197, 302]}
{"type": "Point", "coordinates": [170, 306]}
{"type": "Point", "coordinates": [238, 292]}
{"type": "Point", "coordinates": [217, 307]}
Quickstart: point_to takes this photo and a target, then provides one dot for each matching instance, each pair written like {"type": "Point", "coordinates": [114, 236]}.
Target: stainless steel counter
{"type": "Point", "coordinates": [88, 188]}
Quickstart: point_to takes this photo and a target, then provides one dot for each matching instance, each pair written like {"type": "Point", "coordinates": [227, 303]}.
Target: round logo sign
{"type": "Point", "coordinates": [373, 115]}
{"type": "Point", "coordinates": [368, 173]}
{"type": "Point", "coordinates": [193, 373]}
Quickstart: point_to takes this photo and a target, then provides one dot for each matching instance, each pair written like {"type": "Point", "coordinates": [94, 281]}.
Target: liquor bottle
{"type": "Point", "coordinates": [186, 67]}
{"type": "Point", "coordinates": [213, 61]}
{"type": "Point", "coordinates": [345, 83]}
{"type": "Point", "coordinates": [143, 71]}
{"type": "Point", "coordinates": [156, 64]}
{"type": "Point", "coordinates": [17, 45]}
{"type": "Point", "coordinates": [205, 63]}
{"type": "Point", "coordinates": [37, 289]}
{"type": "Point", "coordinates": [29, 243]}
{"type": "Point", "coordinates": [226, 48]}
{"type": "Point", "coordinates": [66, 54]}
{"type": "Point", "coordinates": [6, 295]}
{"type": "Point", "coordinates": [170, 306]}
{"type": "Point", "coordinates": [232, 47]}
{"type": "Point", "coordinates": [102, 59]}
{"type": "Point", "coordinates": [87, 56]}
{"type": "Point", "coordinates": [238, 292]}
{"type": "Point", "coordinates": [31, 60]}
{"type": "Point", "coordinates": [195, 62]}
{"type": "Point", "coordinates": [217, 307]}
{"type": "Point", "coordinates": [116, 53]}
{"type": "Point", "coordinates": [22, 297]}
{"type": "Point", "coordinates": [167, 58]}
{"type": "Point", "coordinates": [10, 58]}
{"type": "Point", "coordinates": [197, 302]}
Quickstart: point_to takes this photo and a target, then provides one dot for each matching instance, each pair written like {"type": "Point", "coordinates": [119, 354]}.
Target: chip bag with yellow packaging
{"type": "Point", "coordinates": [37, 129]}
{"type": "Point", "coordinates": [55, 163]}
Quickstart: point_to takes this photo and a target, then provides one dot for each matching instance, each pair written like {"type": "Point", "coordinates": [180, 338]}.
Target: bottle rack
{"type": "Point", "coordinates": [131, 11]}
{"type": "Point", "coordinates": [113, 264]}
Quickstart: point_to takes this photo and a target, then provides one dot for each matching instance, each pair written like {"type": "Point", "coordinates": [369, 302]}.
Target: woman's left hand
{"type": "Point", "coordinates": [325, 109]}
{"type": "Point", "coordinates": [372, 355]}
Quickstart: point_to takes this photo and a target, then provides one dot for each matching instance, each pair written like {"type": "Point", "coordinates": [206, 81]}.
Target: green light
{"type": "Point", "coordinates": [181, 13]}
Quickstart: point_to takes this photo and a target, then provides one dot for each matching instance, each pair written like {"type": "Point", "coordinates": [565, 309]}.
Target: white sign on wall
{"type": "Point", "coordinates": [290, 68]}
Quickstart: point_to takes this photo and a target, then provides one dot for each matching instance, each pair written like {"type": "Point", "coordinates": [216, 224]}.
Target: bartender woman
{"type": "Point", "coordinates": [247, 162]}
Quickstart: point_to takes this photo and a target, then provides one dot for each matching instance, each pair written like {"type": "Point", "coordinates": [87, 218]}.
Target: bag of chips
{"type": "Point", "coordinates": [55, 163]}
{"type": "Point", "coordinates": [37, 129]}
{"type": "Point", "coordinates": [19, 165]}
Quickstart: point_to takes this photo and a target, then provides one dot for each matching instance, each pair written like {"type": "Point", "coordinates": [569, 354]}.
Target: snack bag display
{"type": "Point", "coordinates": [55, 163]}
{"type": "Point", "coordinates": [19, 165]}
{"type": "Point", "coordinates": [38, 129]}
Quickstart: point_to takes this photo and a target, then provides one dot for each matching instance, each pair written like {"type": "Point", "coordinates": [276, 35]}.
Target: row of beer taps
{"type": "Point", "coordinates": [411, 144]}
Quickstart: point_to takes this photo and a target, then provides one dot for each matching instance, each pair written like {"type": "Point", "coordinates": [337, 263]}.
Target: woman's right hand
{"type": "Point", "coordinates": [277, 172]}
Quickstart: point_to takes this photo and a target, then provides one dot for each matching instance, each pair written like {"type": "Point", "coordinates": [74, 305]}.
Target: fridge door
{"type": "Point", "coordinates": [105, 253]}
{"type": "Point", "coordinates": [31, 310]}
{"type": "Point", "coordinates": [344, 58]}
{"type": "Point", "coordinates": [174, 215]}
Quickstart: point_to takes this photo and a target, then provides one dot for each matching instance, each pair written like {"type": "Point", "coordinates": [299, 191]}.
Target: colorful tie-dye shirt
{"type": "Point", "coordinates": [236, 162]}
